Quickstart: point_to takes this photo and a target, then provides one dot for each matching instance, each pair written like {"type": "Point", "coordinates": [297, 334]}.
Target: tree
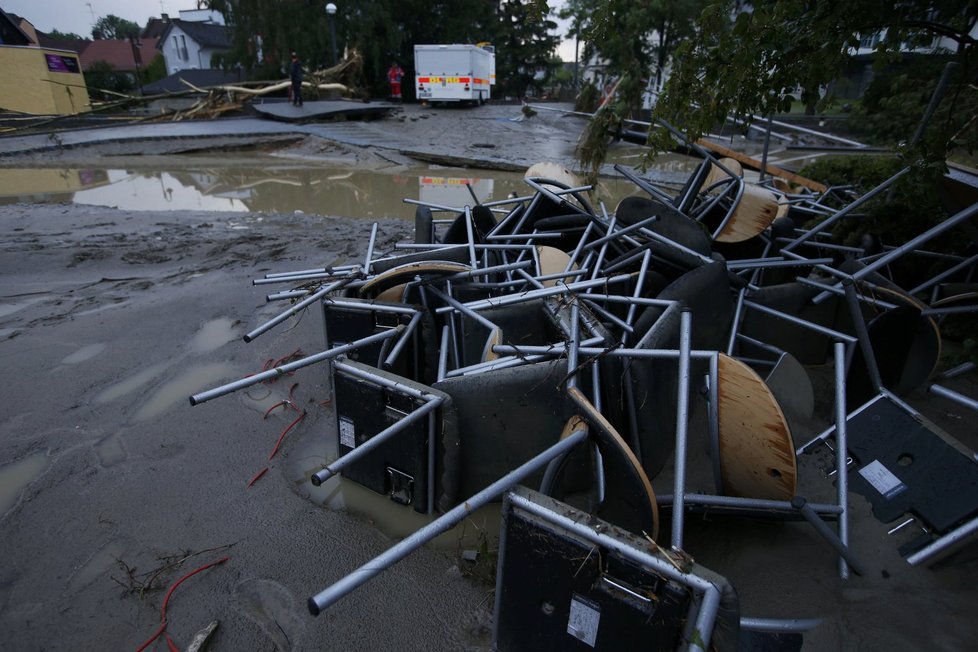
{"type": "Point", "coordinates": [382, 30]}
{"type": "Point", "coordinates": [112, 27]}
{"type": "Point", "coordinates": [750, 62]}
{"type": "Point", "coordinates": [751, 59]}
{"type": "Point", "coordinates": [65, 36]}
{"type": "Point", "coordinates": [525, 44]}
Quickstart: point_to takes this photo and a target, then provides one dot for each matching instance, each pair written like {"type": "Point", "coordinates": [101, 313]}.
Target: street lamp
{"type": "Point", "coordinates": [331, 11]}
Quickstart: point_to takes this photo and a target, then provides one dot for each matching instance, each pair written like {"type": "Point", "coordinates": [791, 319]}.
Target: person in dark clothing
{"type": "Point", "coordinates": [295, 73]}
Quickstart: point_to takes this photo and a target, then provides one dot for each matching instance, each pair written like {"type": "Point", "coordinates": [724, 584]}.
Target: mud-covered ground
{"type": "Point", "coordinates": [112, 487]}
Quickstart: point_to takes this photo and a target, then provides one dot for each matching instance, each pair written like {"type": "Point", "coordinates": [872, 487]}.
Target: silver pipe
{"type": "Point", "coordinates": [788, 625]}
{"type": "Point", "coordinates": [403, 340]}
{"type": "Point", "coordinates": [710, 500]}
{"type": "Point", "coordinates": [448, 520]}
{"type": "Point", "coordinates": [470, 236]}
{"type": "Point", "coordinates": [939, 548]}
{"type": "Point", "coordinates": [682, 416]}
{"type": "Point", "coordinates": [301, 305]}
{"type": "Point", "coordinates": [203, 397]}
{"type": "Point", "coordinates": [341, 302]}
{"type": "Point", "coordinates": [957, 397]}
{"type": "Point", "coordinates": [949, 223]}
{"type": "Point", "coordinates": [714, 422]}
{"type": "Point", "coordinates": [862, 332]}
{"type": "Point", "coordinates": [943, 275]}
{"type": "Point", "coordinates": [443, 354]}
{"type": "Point", "coordinates": [370, 248]}
{"type": "Point", "coordinates": [735, 324]}
{"type": "Point", "coordinates": [432, 403]}
{"type": "Point", "coordinates": [537, 294]}
{"type": "Point", "coordinates": [828, 332]}
{"type": "Point", "coordinates": [826, 223]}
{"type": "Point", "coordinates": [841, 453]}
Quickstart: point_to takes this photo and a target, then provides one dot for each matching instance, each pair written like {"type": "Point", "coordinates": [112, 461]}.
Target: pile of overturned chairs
{"type": "Point", "coordinates": [537, 341]}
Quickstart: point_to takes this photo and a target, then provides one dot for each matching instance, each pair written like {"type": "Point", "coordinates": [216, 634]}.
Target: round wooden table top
{"type": "Point", "coordinates": [757, 454]}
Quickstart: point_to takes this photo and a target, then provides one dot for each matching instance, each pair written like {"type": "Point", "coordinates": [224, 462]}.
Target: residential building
{"type": "Point", "coordinates": [192, 45]}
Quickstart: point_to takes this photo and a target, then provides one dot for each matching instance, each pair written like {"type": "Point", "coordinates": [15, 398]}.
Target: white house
{"type": "Point", "coordinates": [192, 44]}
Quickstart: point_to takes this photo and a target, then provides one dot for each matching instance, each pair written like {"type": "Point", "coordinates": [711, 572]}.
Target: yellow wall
{"type": "Point", "coordinates": [26, 84]}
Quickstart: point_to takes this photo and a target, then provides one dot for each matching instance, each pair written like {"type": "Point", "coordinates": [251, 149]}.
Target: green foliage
{"type": "Point", "coordinates": [895, 102]}
{"type": "Point", "coordinates": [386, 30]}
{"type": "Point", "coordinates": [587, 98]}
{"type": "Point", "coordinates": [65, 36]}
{"type": "Point", "coordinates": [156, 70]}
{"type": "Point", "coordinates": [747, 63]}
{"type": "Point", "coordinates": [102, 76]}
{"type": "Point", "coordinates": [110, 27]}
{"type": "Point", "coordinates": [910, 207]}
{"type": "Point", "coordinates": [525, 42]}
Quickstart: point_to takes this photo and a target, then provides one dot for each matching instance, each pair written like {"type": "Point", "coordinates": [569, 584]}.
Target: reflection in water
{"type": "Point", "coordinates": [277, 187]}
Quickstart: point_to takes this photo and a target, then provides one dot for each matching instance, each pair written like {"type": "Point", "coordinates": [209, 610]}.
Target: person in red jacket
{"type": "Point", "coordinates": [394, 75]}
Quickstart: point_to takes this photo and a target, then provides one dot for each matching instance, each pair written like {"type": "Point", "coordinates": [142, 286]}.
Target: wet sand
{"type": "Point", "coordinates": [110, 480]}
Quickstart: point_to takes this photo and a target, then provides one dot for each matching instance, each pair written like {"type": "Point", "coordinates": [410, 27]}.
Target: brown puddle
{"type": "Point", "coordinates": [278, 187]}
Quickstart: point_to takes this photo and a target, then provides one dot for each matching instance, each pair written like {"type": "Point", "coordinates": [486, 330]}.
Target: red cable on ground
{"type": "Point", "coordinates": [166, 601]}
{"type": "Point", "coordinates": [287, 429]}
{"type": "Point", "coordinates": [258, 476]}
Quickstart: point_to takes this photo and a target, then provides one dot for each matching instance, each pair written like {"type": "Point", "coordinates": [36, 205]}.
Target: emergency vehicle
{"type": "Point", "coordinates": [454, 73]}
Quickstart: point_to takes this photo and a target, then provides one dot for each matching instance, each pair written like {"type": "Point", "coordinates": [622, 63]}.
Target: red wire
{"type": "Point", "coordinates": [258, 476]}
{"type": "Point", "coordinates": [287, 429]}
{"type": "Point", "coordinates": [166, 601]}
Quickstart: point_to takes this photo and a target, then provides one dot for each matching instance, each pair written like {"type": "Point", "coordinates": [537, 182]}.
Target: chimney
{"type": "Point", "coordinates": [165, 17]}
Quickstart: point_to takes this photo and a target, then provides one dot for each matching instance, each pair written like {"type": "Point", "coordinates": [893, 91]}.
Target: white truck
{"type": "Point", "coordinates": [454, 73]}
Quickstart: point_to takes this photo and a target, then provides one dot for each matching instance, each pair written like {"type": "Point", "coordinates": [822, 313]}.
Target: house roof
{"type": "Point", "coordinates": [200, 78]}
{"type": "Point", "coordinates": [10, 31]}
{"type": "Point", "coordinates": [155, 27]}
{"type": "Point", "coordinates": [118, 53]}
{"type": "Point", "coordinates": [208, 35]}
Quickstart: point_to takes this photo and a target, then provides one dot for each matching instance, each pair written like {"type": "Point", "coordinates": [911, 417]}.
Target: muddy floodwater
{"type": "Point", "coordinates": [276, 186]}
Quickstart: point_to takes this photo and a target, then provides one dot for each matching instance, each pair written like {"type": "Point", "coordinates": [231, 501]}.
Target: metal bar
{"type": "Point", "coordinates": [324, 599]}
{"type": "Point", "coordinates": [800, 322]}
{"type": "Point", "coordinates": [767, 145]}
{"type": "Point", "coordinates": [403, 340]}
{"type": "Point", "coordinates": [945, 545]}
{"type": "Point", "coordinates": [432, 403]}
{"type": "Point", "coordinates": [764, 263]}
{"type": "Point", "coordinates": [713, 415]}
{"type": "Point", "coordinates": [821, 226]}
{"type": "Point", "coordinates": [301, 305]}
{"type": "Point", "coordinates": [841, 453]}
{"type": "Point", "coordinates": [644, 185]}
{"type": "Point", "coordinates": [809, 514]}
{"type": "Point", "coordinates": [735, 324]}
{"type": "Point", "coordinates": [202, 397]}
{"type": "Point", "coordinates": [943, 275]}
{"type": "Point", "coordinates": [537, 294]}
{"type": "Point", "coordinates": [470, 236]}
{"type": "Point", "coordinates": [862, 332]}
{"type": "Point", "coordinates": [443, 354]}
{"type": "Point", "coordinates": [957, 397]}
{"type": "Point", "coordinates": [370, 248]}
{"type": "Point", "coordinates": [710, 500]}
{"type": "Point", "coordinates": [340, 302]}
{"type": "Point", "coordinates": [682, 416]}
{"type": "Point", "coordinates": [933, 232]}
{"type": "Point", "coordinates": [705, 617]}
{"type": "Point", "coordinates": [778, 625]}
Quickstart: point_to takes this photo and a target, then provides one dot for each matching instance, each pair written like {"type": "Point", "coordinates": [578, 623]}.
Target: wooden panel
{"type": "Point", "coordinates": [754, 164]}
{"type": "Point", "coordinates": [406, 273]}
{"type": "Point", "coordinates": [757, 454]}
{"type": "Point", "coordinates": [756, 210]}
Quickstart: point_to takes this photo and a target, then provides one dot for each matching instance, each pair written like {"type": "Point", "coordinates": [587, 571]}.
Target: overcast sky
{"type": "Point", "coordinates": [78, 16]}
